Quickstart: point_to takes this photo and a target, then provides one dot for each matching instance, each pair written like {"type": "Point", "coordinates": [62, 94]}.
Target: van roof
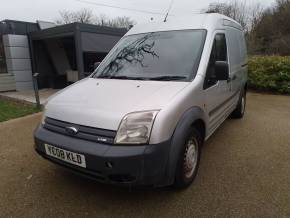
{"type": "Point", "coordinates": [208, 21]}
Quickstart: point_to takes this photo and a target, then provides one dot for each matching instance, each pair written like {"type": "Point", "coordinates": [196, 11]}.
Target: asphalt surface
{"type": "Point", "coordinates": [244, 172]}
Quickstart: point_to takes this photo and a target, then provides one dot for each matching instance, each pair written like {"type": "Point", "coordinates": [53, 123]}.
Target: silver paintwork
{"type": "Point", "coordinates": [102, 103]}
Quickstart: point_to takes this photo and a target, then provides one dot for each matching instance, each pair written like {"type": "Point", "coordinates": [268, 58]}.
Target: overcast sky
{"type": "Point", "coordinates": [48, 10]}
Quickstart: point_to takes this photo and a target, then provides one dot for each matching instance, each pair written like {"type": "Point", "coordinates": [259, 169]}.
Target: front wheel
{"type": "Point", "coordinates": [239, 112]}
{"type": "Point", "coordinates": [189, 160]}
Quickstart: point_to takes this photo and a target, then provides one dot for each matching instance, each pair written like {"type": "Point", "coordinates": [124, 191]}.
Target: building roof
{"type": "Point", "coordinates": [198, 21]}
{"type": "Point", "coordinates": [17, 27]}
{"type": "Point", "coordinates": [70, 29]}
{"type": "Point", "coordinates": [23, 28]}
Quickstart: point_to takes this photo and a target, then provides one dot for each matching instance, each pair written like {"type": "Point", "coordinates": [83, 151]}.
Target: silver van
{"type": "Point", "coordinates": [143, 115]}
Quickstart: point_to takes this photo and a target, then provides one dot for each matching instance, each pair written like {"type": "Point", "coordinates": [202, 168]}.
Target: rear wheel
{"type": "Point", "coordinates": [241, 107]}
{"type": "Point", "coordinates": [189, 160]}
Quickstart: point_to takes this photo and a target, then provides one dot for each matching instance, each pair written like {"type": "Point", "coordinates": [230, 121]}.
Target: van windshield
{"type": "Point", "coordinates": [163, 56]}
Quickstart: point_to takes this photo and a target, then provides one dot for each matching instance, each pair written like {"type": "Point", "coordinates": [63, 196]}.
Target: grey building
{"type": "Point", "coordinates": [59, 54]}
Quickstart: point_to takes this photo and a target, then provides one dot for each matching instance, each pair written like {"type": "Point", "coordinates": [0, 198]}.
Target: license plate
{"type": "Point", "coordinates": [66, 156]}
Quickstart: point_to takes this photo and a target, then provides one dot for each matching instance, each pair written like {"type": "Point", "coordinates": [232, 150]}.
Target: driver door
{"type": "Point", "coordinates": [216, 92]}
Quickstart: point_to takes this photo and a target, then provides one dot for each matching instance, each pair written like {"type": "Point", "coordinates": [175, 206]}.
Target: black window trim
{"type": "Point", "coordinates": [205, 87]}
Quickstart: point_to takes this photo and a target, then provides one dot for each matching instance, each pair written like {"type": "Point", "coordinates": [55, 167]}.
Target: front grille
{"type": "Point", "coordinates": [84, 132]}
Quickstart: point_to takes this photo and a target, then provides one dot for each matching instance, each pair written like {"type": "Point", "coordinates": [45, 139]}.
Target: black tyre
{"type": "Point", "coordinates": [189, 159]}
{"type": "Point", "coordinates": [239, 112]}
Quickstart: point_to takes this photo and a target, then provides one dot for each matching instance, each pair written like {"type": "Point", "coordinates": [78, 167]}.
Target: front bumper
{"type": "Point", "coordinates": [130, 165]}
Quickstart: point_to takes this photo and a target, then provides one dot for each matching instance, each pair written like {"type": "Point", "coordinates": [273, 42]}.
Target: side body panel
{"type": "Point", "coordinates": [238, 59]}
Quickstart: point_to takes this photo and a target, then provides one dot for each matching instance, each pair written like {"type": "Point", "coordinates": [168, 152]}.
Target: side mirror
{"type": "Point", "coordinates": [222, 70]}
{"type": "Point", "coordinates": [96, 64]}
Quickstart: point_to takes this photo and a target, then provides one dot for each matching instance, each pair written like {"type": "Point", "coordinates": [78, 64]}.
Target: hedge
{"type": "Point", "coordinates": [270, 73]}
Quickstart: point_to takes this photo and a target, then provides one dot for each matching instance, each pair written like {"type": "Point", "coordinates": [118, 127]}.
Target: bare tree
{"type": "Point", "coordinates": [82, 16]}
{"type": "Point", "coordinates": [102, 20]}
{"type": "Point", "coordinates": [282, 3]}
{"type": "Point", "coordinates": [86, 16]}
{"type": "Point", "coordinates": [119, 22]}
{"type": "Point", "coordinates": [271, 33]}
{"type": "Point", "coordinates": [237, 10]}
{"type": "Point", "coordinates": [123, 22]}
{"type": "Point", "coordinates": [248, 15]}
{"type": "Point", "coordinates": [256, 14]}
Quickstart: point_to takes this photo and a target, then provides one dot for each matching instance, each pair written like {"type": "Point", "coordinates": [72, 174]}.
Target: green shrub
{"type": "Point", "coordinates": [270, 73]}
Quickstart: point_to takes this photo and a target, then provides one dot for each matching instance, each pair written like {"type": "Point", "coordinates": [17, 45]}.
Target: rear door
{"type": "Point", "coordinates": [217, 92]}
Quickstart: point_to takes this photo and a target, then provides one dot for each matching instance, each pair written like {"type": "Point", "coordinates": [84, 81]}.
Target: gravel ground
{"type": "Point", "coordinates": [244, 172]}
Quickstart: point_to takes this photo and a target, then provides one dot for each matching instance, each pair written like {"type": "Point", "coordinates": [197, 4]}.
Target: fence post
{"type": "Point", "coordinates": [36, 91]}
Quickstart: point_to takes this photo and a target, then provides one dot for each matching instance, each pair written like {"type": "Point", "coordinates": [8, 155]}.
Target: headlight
{"type": "Point", "coordinates": [135, 128]}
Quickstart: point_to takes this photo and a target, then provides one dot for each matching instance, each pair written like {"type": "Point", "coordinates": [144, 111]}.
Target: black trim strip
{"type": "Point", "coordinates": [84, 132]}
{"type": "Point", "coordinates": [216, 109]}
{"type": "Point", "coordinates": [218, 117]}
{"type": "Point", "coordinates": [81, 128]}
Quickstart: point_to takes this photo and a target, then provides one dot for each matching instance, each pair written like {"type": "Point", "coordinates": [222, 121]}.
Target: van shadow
{"type": "Point", "coordinates": [105, 198]}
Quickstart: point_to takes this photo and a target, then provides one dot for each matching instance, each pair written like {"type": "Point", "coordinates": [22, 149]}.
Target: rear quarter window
{"type": "Point", "coordinates": [236, 47]}
{"type": "Point", "coordinates": [243, 46]}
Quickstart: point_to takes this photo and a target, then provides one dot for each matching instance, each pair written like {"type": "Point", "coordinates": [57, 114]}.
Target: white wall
{"type": "Point", "coordinates": [18, 60]}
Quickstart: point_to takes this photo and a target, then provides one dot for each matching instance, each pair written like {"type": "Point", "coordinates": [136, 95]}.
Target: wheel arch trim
{"type": "Point", "coordinates": [186, 121]}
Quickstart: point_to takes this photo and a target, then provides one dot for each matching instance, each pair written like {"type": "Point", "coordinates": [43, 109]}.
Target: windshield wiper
{"type": "Point", "coordinates": [104, 77]}
{"type": "Point", "coordinates": [168, 78]}
{"type": "Point", "coordinates": [121, 77]}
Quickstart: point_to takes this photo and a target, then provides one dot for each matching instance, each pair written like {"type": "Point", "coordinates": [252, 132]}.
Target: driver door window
{"type": "Point", "coordinates": [218, 53]}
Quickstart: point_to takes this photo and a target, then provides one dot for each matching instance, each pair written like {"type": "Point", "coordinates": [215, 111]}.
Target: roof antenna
{"type": "Point", "coordinates": [170, 6]}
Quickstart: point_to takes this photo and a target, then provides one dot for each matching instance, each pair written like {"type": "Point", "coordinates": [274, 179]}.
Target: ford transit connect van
{"type": "Point", "coordinates": [141, 118]}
